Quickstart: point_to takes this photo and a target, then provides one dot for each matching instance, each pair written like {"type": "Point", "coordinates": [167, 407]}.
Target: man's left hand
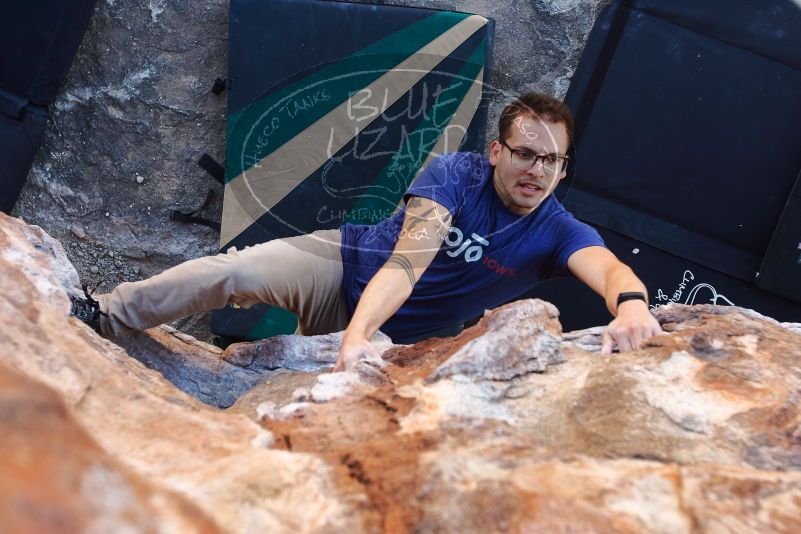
{"type": "Point", "coordinates": [633, 324]}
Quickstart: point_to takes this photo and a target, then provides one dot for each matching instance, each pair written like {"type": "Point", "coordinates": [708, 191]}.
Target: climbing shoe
{"type": "Point", "coordinates": [87, 309]}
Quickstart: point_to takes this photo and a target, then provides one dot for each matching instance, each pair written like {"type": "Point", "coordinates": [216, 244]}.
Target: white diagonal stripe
{"type": "Point", "coordinates": [252, 193]}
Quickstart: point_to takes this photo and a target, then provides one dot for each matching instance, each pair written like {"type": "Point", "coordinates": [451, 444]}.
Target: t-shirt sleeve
{"type": "Point", "coordinates": [570, 236]}
{"type": "Point", "coordinates": [444, 181]}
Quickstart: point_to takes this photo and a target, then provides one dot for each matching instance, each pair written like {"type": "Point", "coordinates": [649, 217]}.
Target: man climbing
{"type": "Point", "coordinates": [474, 233]}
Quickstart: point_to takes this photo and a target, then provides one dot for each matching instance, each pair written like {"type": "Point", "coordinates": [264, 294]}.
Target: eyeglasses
{"type": "Point", "coordinates": [524, 159]}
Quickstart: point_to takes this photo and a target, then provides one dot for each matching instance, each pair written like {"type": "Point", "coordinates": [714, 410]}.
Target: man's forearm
{"type": "Point", "coordinates": [386, 292]}
{"type": "Point", "coordinates": [607, 276]}
{"type": "Point", "coordinates": [425, 226]}
{"type": "Point", "coordinates": [619, 280]}
{"type": "Point", "coordinates": [633, 322]}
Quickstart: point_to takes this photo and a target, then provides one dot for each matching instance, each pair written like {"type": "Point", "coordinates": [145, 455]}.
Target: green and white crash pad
{"type": "Point", "coordinates": [334, 108]}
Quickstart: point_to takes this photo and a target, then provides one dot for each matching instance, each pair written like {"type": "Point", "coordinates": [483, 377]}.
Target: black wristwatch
{"type": "Point", "coordinates": [630, 295]}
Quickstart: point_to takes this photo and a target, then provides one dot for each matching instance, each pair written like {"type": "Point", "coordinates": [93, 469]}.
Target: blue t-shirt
{"type": "Point", "coordinates": [491, 255]}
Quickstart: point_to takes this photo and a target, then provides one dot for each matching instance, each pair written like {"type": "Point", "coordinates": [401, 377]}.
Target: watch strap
{"type": "Point", "coordinates": [630, 295]}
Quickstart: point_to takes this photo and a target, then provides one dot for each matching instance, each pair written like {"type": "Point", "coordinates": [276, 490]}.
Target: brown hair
{"type": "Point", "coordinates": [539, 106]}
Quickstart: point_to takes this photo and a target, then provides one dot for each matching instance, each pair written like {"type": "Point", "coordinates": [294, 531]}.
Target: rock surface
{"type": "Point", "coordinates": [511, 426]}
{"type": "Point", "coordinates": [220, 461]}
{"type": "Point", "coordinates": [55, 478]}
{"type": "Point", "coordinates": [136, 112]}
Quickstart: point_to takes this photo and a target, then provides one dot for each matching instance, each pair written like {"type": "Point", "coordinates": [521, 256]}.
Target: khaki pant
{"type": "Point", "coordinates": [301, 274]}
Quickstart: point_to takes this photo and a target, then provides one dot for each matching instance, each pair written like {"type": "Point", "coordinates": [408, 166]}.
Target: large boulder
{"type": "Point", "coordinates": [510, 426]}
{"type": "Point", "coordinates": [221, 462]}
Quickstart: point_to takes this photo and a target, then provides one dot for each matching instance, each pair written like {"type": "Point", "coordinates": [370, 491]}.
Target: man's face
{"type": "Point", "coordinates": [522, 191]}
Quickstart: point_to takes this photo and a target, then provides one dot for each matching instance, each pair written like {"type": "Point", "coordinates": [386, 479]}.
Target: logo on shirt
{"type": "Point", "coordinates": [473, 250]}
{"type": "Point", "coordinates": [494, 265]}
{"type": "Point", "coordinates": [472, 253]}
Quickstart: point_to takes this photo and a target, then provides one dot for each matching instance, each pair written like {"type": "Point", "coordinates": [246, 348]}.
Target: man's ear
{"type": "Point", "coordinates": [494, 150]}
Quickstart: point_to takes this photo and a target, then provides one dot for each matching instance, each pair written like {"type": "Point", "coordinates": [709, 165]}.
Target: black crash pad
{"type": "Point", "coordinates": [688, 150]}
{"type": "Point", "coordinates": [38, 41]}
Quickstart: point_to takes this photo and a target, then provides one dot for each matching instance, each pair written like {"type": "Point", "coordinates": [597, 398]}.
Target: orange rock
{"type": "Point", "coordinates": [511, 426]}
{"type": "Point", "coordinates": [55, 478]}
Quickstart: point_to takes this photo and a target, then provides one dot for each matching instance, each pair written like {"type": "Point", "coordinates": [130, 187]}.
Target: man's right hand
{"type": "Point", "coordinates": [352, 350]}
{"type": "Point", "coordinates": [425, 226]}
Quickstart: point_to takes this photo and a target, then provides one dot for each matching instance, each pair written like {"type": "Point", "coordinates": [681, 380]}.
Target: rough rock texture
{"type": "Point", "coordinates": [136, 113]}
{"type": "Point", "coordinates": [55, 478]}
{"type": "Point", "coordinates": [514, 341]}
{"type": "Point", "coordinates": [698, 431]}
{"type": "Point", "coordinates": [219, 378]}
{"type": "Point", "coordinates": [219, 461]}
